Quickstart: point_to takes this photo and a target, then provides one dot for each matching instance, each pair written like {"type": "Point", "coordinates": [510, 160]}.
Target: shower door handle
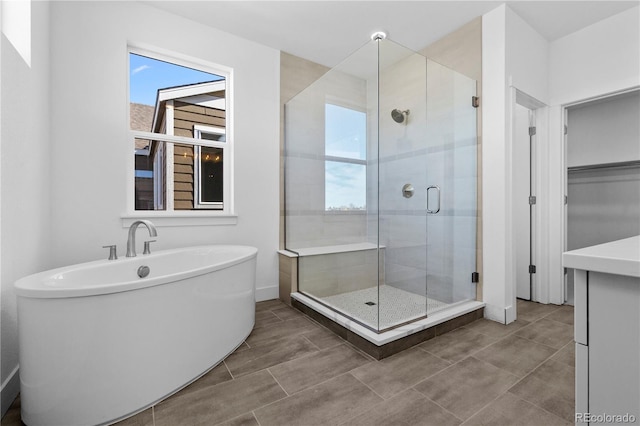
{"type": "Point", "coordinates": [437, 188]}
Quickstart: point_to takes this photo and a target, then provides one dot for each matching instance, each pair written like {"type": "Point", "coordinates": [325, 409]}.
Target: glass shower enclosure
{"type": "Point", "coordinates": [380, 187]}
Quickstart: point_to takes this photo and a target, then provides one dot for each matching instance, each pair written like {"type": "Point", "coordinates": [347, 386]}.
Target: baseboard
{"type": "Point", "coordinates": [267, 293]}
{"type": "Point", "coordinates": [9, 391]}
{"type": "Point", "coordinates": [495, 313]}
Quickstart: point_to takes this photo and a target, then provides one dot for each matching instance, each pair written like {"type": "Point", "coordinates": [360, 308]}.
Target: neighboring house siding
{"type": "Point", "coordinates": [185, 117]}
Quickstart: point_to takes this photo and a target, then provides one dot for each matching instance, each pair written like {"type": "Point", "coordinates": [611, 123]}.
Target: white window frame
{"type": "Point", "coordinates": [171, 217]}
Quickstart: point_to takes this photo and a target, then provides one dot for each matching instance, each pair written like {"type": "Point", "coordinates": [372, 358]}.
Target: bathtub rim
{"type": "Point", "coordinates": [32, 286]}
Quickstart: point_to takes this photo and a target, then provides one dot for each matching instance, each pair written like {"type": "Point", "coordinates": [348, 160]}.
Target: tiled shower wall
{"type": "Point", "coordinates": [307, 222]}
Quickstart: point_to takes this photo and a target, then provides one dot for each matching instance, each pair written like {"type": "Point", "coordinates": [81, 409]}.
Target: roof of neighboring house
{"type": "Point", "coordinates": [141, 118]}
{"type": "Point", "coordinates": [210, 94]}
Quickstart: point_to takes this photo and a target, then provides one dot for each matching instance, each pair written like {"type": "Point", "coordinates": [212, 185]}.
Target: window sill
{"type": "Point", "coordinates": [164, 219]}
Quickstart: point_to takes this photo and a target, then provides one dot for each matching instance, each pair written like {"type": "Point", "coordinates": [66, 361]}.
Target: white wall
{"type": "Point", "coordinates": [65, 145]}
{"type": "Point", "coordinates": [600, 59]}
{"type": "Point", "coordinates": [91, 146]}
{"type": "Point", "coordinates": [496, 292]}
{"type": "Point", "coordinates": [514, 57]}
{"type": "Point", "coordinates": [25, 183]}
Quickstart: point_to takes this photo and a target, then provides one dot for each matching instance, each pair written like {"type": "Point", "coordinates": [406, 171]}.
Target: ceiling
{"type": "Point", "coordinates": [327, 32]}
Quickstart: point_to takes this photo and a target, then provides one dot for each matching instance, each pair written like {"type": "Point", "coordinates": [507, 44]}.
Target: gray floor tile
{"type": "Point", "coordinates": [407, 408]}
{"type": "Point", "coordinates": [466, 387]}
{"type": "Point", "coordinates": [457, 344]}
{"type": "Point", "coordinates": [219, 403]}
{"type": "Point", "coordinates": [215, 376]}
{"type": "Point", "coordinates": [495, 329]}
{"type": "Point", "coordinates": [268, 354]}
{"type": "Point", "coordinates": [268, 305]}
{"type": "Point", "coordinates": [265, 318]}
{"type": "Point", "coordinates": [286, 313]}
{"type": "Point", "coordinates": [563, 314]}
{"type": "Point", "coordinates": [323, 338]}
{"type": "Point", "coordinates": [399, 372]}
{"type": "Point", "coordinates": [285, 329]}
{"type": "Point", "coordinates": [550, 386]}
{"type": "Point", "coordinates": [318, 367]}
{"type": "Point", "coordinates": [532, 311]}
{"type": "Point", "coordinates": [548, 332]}
{"type": "Point", "coordinates": [329, 403]}
{"type": "Point", "coordinates": [508, 409]}
{"type": "Point", "coordinates": [247, 419]}
{"type": "Point", "coordinates": [566, 355]}
{"type": "Point", "coordinates": [516, 355]}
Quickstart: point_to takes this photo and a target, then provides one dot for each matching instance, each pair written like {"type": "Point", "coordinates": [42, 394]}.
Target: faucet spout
{"type": "Point", "coordinates": [131, 240]}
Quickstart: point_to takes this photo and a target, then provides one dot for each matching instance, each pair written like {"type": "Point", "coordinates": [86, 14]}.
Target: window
{"type": "Point", "coordinates": [345, 158]}
{"type": "Point", "coordinates": [179, 121]}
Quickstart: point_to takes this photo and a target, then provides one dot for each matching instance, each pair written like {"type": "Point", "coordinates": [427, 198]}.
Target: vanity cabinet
{"type": "Point", "coordinates": [607, 330]}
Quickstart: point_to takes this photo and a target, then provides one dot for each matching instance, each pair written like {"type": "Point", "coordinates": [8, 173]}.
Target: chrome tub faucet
{"type": "Point", "coordinates": [131, 240]}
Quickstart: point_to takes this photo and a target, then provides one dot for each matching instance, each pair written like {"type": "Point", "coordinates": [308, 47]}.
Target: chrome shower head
{"type": "Point", "coordinates": [399, 116]}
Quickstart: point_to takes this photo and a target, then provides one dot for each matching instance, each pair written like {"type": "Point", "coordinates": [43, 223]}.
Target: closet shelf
{"type": "Point", "coordinates": [618, 165]}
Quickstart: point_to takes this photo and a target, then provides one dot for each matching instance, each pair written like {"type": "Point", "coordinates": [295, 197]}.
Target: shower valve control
{"type": "Point", "coordinates": [407, 190]}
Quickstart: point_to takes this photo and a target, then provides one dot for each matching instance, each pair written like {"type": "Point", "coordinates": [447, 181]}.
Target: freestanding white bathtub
{"type": "Point", "coordinates": [98, 343]}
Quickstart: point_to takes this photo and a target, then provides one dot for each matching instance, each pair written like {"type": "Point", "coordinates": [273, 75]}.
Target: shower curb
{"type": "Point", "coordinates": [391, 348]}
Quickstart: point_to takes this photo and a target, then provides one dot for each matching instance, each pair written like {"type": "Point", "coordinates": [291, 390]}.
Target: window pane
{"type": "Point", "coordinates": [149, 175]}
{"type": "Point", "coordinates": [345, 186]}
{"type": "Point", "coordinates": [166, 98]}
{"type": "Point", "coordinates": [345, 132]}
{"type": "Point", "coordinates": [211, 179]}
{"type": "Point", "coordinates": [148, 75]}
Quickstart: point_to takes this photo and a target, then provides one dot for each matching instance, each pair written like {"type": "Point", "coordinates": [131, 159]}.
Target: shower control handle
{"type": "Point", "coordinates": [437, 188]}
{"type": "Point", "coordinates": [407, 190]}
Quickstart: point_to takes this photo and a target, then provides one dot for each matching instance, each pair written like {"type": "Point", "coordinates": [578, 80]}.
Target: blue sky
{"type": "Point", "coordinates": [148, 75]}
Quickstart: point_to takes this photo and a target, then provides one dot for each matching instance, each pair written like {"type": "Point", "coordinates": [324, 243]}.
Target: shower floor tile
{"type": "Point", "coordinates": [391, 305]}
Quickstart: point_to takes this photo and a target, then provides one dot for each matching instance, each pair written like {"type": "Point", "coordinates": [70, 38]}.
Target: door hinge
{"type": "Point", "coordinates": [566, 199]}
{"type": "Point", "coordinates": [532, 269]}
{"type": "Point", "coordinates": [475, 101]}
{"type": "Point", "coordinates": [475, 277]}
{"type": "Point", "coordinates": [566, 129]}
{"type": "Point", "coordinates": [532, 200]}
{"type": "Point", "coordinates": [532, 131]}
{"type": "Point", "coordinates": [566, 271]}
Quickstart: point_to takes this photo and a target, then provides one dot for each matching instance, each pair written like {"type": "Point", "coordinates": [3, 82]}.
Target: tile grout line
{"type": "Point", "coordinates": [429, 399]}
{"type": "Point", "coordinates": [276, 380]}
{"type": "Point", "coordinates": [432, 354]}
{"type": "Point", "coordinates": [366, 385]}
{"type": "Point", "coordinates": [224, 361]}
{"type": "Point", "coordinates": [253, 412]}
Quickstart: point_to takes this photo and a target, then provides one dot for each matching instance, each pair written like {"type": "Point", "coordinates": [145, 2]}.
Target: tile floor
{"type": "Point", "coordinates": [292, 371]}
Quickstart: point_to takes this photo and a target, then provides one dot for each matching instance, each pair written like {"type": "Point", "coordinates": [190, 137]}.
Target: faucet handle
{"type": "Point", "coordinates": [112, 251]}
{"type": "Point", "coordinates": [147, 249]}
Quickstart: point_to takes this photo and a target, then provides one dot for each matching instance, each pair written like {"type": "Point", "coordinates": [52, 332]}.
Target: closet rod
{"type": "Point", "coordinates": [618, 165]}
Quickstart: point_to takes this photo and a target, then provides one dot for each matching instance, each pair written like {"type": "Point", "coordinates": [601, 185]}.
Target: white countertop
{"type": "Point", "coordinates": [621, 257]}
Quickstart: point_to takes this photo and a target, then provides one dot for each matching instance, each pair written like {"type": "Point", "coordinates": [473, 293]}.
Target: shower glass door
{"type": "Point", "coordinates": [427, 186]}
{"type": "Point", "coordinates": [451, 168]}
